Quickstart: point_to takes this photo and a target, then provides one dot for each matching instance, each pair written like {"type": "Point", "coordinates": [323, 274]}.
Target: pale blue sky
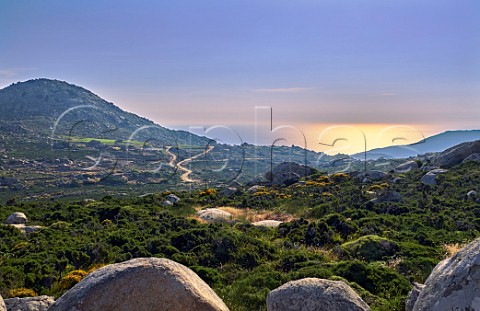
{"type": "Point", "coordinates": [183, 63]}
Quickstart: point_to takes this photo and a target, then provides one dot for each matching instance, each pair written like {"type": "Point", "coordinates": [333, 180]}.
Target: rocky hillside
{"type": "Point", "coordinates": [44, 107]}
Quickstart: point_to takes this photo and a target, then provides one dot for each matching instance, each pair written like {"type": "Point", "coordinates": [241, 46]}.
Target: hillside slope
{"type": "Point", "coordinates": [45, 108]}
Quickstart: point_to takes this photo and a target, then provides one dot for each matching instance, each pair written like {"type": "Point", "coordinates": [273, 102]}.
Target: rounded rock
{"type": "Point", "coordinates": [17, 218]}
{"type": "Point", "coordinates": [141, 284]}
{"type": "Point", "coordinates": [39, 303]}
{"type": "Point", "coordinates": [453, 284]}
{"type": "Point", "coordinates": [430, 178]}
{"type": "Point", "coordinates": [313, 294]}
{"type": "Point", "coordinates": [268, 223]}
{"type": "Point", "coordinates": [413, 296]}
{"type": "Point", "coordinates": [214, 215]}
{"type": "Point", "coordinates": [472, 194]}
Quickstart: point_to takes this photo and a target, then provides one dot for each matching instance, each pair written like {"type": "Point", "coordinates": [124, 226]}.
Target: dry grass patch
{"type": "Point", "coordinates": [452, 248]}
{"type": "Point", "coordinates": [248, 214]}
{"type": "Point", "coordinates": [252, 215]}
{"type": "Point", "coordinates": [394, 263]}
{"type": "Point", "coordinates": [21, 292]}
{"type": "Point", "coordinates": [328, 254]}
{"type": "Point", "coordinates": [197, 218]}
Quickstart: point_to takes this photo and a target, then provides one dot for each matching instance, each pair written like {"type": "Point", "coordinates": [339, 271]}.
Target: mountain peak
{"type": "Point", "coordinates": [39, 103]}
{"type": "Point", "coordinates": [44, 98]}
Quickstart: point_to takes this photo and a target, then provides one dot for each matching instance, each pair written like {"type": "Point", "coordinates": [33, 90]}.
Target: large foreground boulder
{"type": "Point", "coordinates": [2, 305]}
{"type": "Point", "coordinates": [313, 294]}
{"type": "Point", "coordinates": [39, 303]}
{"type": "Point", "coordinates": [456, 154]}
{"type": "Point", "coordinates": [454, 283]}
{"type": "Point", "coordinates": [413, 296]}
{"type": "Point", "coordinates": [141, 284]}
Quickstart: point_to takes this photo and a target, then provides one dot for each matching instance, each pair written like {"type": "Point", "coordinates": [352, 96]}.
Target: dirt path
{"type": "Point", "coordinates": [181, 165]}
{"type": "Point", "coordinates": [173, 157]}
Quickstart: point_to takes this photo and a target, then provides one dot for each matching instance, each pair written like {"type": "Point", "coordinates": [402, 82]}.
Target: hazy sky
{"type": "Point", "coordinates": [362, 63]}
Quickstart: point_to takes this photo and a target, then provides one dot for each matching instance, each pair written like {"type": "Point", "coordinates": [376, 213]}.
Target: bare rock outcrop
{"type": "Point", "coordinates": [167, 203]}
{"type": "Point", "coordinates": [255, 189]}
{"type": "Point", "coordinates": [172, 198]}
{"type": "Point", "coordinates": [472, 194]}
{"type": "Point", "coordinates": [430, 178]}
{"type": "Point", "coordinates": [17, 218]}
{"type": "Point", "coordinates": [313, 294]}
{"type": "Point", "coordinates": [39, 303]}
{"type": "Point", "coordinates": [453, 284]}
{"type": "Point", "coordinates": [27, 229]}
{"type": "Point", "coordinates": [141, 284]}
{"type": "Point", "coordinates": [406, 167]}
{"type": "Point", "coordinates": [267, 223]}
{"type": "Point", "coordinates": [457, 154]}
{"type": "Point", "coordinates": [370, 175]}
{"type": "Point", "coordinates": [214, 215]}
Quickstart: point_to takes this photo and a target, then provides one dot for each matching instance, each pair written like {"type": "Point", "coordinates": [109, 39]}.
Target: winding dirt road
{"type": "Point", "coordinates": [180, 165]}
{"type": "Point", "coordinates": [173, 156]}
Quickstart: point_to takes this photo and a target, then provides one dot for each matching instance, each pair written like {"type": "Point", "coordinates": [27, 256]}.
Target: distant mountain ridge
{"type": "Point", "coordinates": [436, 143]}
{"type": "Point", "coordinates": [45, 107]}
{"type": "Point", "coordinates": [38, 105]}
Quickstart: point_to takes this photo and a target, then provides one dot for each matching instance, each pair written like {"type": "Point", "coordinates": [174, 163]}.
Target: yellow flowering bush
{"type": "Point", "coordinates": [22, 292]}
{"type": "Point", "coordinates": [72, 278]}
{"type": "Point", "coordinates": [208, 192]}
{"type": "Point", "coordinates": [340, 176]}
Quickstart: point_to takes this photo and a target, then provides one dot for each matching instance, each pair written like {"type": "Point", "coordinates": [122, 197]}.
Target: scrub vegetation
{"type": "Point", "coordinates": [332, 229]}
